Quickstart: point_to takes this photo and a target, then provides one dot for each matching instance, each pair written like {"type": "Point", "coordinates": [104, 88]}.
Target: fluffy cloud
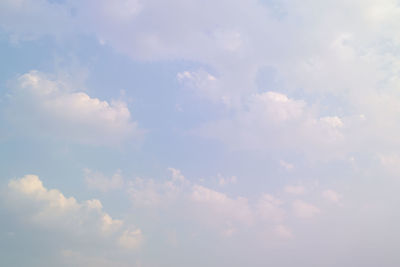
{"type": "Point", "coordinates": [51, 210]}
{"type": "Point", "coordinates": [215, 209]}
{"type": "Point", "coordinates": [219, 206]}
{"type": "Point", "coordinates": [288, 79]}
{"type": "Point", "coordinates": [51, 108]}
{"type": "Point", "coordinates": [272, 120]}
{"type": "Point", "coordinates": [346, 67]}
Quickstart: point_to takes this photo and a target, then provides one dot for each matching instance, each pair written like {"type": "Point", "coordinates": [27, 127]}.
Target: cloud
{"type": "Point", "coordinates": [203, 83]}
{"type": "Point", "coordinates": [304, 210]}
{"type": "Point", "coordinates": [209, 208]}
{"type": "Point", "coordinates": [272, 120]}
{"type": "Point", "coordinates": [221, 207]}
{"type": "Point", "coordinates": [204, 206]}
{"type": "Point", "coordinates": [332, 196]}
{"type": "Point", "coordinates": [131, 239]}
{"type": "Point", "coordinates": [184, 197]}
{"type": "Point", "coordinates": [151, 193]}
{"type": "Point", "coordinates": [332, 89]}
{"type": "Point", "coordinates": [53, 109]}
{"type": "Point", "coordinates": [97, 180]}
{"type": "Point", "coordinates": [49, 209]}
{"type": "Point", "coordinates": [177, 176]}
{"type": "Point", "coordinates": [341, 70]}
{"type": "Point", "coordinates": [223, 181]}
{"type": "Point", "coordinates": [269, 208]}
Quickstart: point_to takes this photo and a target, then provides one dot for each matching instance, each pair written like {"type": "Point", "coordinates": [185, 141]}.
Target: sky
{"type": "Point", "coordinates": [149, 133]}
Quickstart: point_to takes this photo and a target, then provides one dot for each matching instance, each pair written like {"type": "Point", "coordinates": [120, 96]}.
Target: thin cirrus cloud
{"type": "Point", "coordinates": [51, 108]}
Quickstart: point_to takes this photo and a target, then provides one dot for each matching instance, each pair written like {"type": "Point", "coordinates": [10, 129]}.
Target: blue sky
{"type": "Point", "coordinates": [199, 133]}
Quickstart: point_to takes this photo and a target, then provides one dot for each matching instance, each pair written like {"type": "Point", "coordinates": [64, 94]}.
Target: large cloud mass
{"type": "Point", "coordinates": [298, 99]}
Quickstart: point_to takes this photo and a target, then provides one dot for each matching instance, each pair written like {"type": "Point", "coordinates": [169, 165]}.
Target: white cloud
{"type": "Point", "coordinates": [221, 207]}
{"type": "Point", "coordinates": [177, 175]}
{"type": "Point", "coordinates": [131, 239]}
{"type": "Point", "coordinates": [151, 193]}
{"type": "Point", "coordinates": [222, 181]}
{"type": "Point", "coordinates": [340, 68]}
{"type": "Point", "coordinates": [272, 120]}
{"type": "Point", "coordinates": [331, 71]}
{"type": "Point", "coordinates": [185, 200]}
{"type": "Point", "coordinates": [51, 210]}
{"type": "Point", "coordinates": [98, 181]}
{"type": "Point", "coordinates": [269, 208]}
{"type": "Point", "coordinates": [204, 85]}
{"type": "Point", "coordinates": [304, 210]}
{"type": "Point", "coordinates": [51, 108]}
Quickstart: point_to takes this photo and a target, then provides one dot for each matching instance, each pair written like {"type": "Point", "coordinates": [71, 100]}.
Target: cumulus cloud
{"type": "Point", "coordinates": [272, 120]}
{"type": "Point", "coordinates": [186, 200]}
{"type": "Point", "coordinates": [341, 68]}
{"type": "Point", "coordinates": [50, 107]}
{"type": "Point", "coordinates": [50, 209]}
{"type": "Point", "coordinates": [220, 206]}
{"type": "Point", "coordinates": [216, 209]}
{"type": "Point", "coordinates": [334, 89]}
